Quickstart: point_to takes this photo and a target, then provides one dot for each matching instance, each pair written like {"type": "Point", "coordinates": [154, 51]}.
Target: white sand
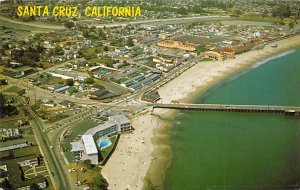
{"type": "Point", "coordinates": [128, 166]}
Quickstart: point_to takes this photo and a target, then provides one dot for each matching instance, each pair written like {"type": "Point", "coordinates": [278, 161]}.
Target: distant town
{"type": "Point", "coordinates": [70, 86]}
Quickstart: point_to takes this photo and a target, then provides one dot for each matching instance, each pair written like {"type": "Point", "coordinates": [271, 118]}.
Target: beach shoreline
{"type": "Point", "coordinates": [143, 156]}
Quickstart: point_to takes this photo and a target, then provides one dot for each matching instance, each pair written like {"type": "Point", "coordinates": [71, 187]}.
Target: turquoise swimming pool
{"type": "Point", "coordinates": [104, 143]}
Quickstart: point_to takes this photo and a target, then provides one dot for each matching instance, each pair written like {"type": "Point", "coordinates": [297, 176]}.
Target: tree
{"type": "Point", "coordinates": [47, 183]}
{"type": "Point", "coordinates": [3, 82]}
{"type": "Point", "coordinates": [110, 62]}
{"type": "Point", "coordinates": [21, 92]}
{"type": "Point", "coordinates": [1, 105]}
{"type": "Point", "coordinates": [38, 160]}
{"type": "Point", "coordinates": [130, 42]}
{"type": "Point", "coordinates": [58, 50]}
{"type": "Point", "coordinates": [89, 80]}
{"type": "Point", "coordinates": [282, 11]}
{"type": "Point", "coordinates": [265, 13]}
{"type": "Point", "coordinates": [5, 184]}
{"type": "Point", "coordinates": [182, 11]}
{"type": "Point", "coordinates": [88, 164]}
{"type": "Point", "coordinates": [10, 110]}
{"type": "Point", "coordinates": [34, 186]}
{"type": "Point", "coordinates": [99, 183]}
{"type": "Point", "coordinates": [86, 34]}
{"type": "Point", "coordinates": [70, 82]}
{"type": "Point", "coordinates": [105, 48]}
{"type": "Point", "coordinates": [80, 53]}
{"type": "Point", "coordinates": [69, 24]}
{"type": "Point", "coordinates": [291, 25]}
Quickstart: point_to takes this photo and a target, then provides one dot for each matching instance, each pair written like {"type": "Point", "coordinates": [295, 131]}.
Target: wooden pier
{"type": "Point", "coordinates": [287, 110]}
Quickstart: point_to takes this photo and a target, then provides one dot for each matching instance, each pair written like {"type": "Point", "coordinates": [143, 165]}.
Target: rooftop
{"type": "Point", "coordinates": [119, 119]}
{"type": "Point", "coordinates": [76, 146]}
{"type": "Point", "coordinates": [89, 144]}
{"type": "Point", "coordinates": [94, 130]}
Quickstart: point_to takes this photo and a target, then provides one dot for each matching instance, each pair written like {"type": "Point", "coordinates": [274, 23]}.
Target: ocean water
{"type": "Point", "coordinates": [213, 150]}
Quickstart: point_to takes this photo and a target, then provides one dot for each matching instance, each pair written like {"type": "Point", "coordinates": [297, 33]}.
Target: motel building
{"type": "Point", "coordinates": [220, 54]}
{"type": "Point", "coordinates": [90, 150]}
{"type": "Point", "coordinates": [214, 55]}
{"type": "Point", "coordinates": [89, 144]}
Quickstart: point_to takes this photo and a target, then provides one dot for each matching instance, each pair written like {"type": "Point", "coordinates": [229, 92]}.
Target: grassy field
{"type": "Point", "coordinates": [93, 49]}
{"type": "Point", "coordinates": [34, 27]}
{"type": "Point", "coordinates": [12, 142]}
{"type": "Point", "coordinates": [55, 80]}
{"type": "Point", "coordinates": [40, 168]}
{"type": "Point", "coordinates": [84, 177]}
{"type": "Point", "coordinates": [259, 18]}
{"type": "Point", "coordinates": [13, 123]}
{"type": "Point", "coordinates": [33, 150]}
{"type": "Point", "coordinates": [106, 151]}
{"type": "Point", "coordinates": [39, 171]}
{"type": "Point", "coordinates": [13, 89]}
{"type": "Point", "coordinates": [96, 60]}
{"type": "Point", "coordinates": [20, 26]}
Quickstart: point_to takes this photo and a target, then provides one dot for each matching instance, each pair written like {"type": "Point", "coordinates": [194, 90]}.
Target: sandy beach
{"type": "Point", "coordinates": [141, 157]}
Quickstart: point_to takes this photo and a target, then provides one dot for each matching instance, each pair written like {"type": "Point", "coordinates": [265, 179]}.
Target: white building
{"type": "Point", "coordinates": [90, 151]}
{"type": "Point", "coordinates": [108, 128]}
{"type": "Point", "coordinates": [122, 122]}
{"type": "Point", "coordinates": [60, 76]}
{"type": "Point", "coordinates": [87, 148]}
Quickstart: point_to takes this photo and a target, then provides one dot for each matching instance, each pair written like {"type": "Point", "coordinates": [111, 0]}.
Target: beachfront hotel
{"type": "Point", "coordinates": [87, 148]}
{"type": "Point", "coordinates": [220, 54]}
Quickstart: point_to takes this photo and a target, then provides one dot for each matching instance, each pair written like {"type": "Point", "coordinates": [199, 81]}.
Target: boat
{"type": "Point", "coordinates": [274, 45]}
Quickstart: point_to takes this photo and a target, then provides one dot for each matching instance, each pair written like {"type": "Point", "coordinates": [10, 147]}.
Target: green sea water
{"type": "Point", "coordinates": [213, 150]}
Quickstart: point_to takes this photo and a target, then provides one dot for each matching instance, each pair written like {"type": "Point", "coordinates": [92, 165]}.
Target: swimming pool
{"type": "Point", "coordinates": [104, 143]}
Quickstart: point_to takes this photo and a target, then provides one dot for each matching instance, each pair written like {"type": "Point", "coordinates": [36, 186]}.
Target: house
{"type": "Point", "coordinates": [165, 63]}
{"type": "Point", "coordinates": [13, 72]}
{"type": "Point", "coordinates": [82, 87]}
{"type": "Point", "coordinates": [17, 72]}
{"type": "Point", "coordinates": [62, 89]}
{"type": "Point", "coordinates": [66, 104]}
{"type": "Point", "coordinates": [60, 76]}
{"type": "Point", "coordinates": [48, 103]}
{"type": "Point", "coordinates": [23, 122]}
{"type": "Point", "coordinates": [101, 94]}
{"type": "Point", "coordinates": [151, 97]}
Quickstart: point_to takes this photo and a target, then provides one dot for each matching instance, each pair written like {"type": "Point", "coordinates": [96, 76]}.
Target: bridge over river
{"type": "Point", "coordinates": [287, 110]}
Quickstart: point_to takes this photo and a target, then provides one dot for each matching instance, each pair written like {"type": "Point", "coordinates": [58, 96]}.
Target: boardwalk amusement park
{"type": "Point", "coordinates": [287, 110]}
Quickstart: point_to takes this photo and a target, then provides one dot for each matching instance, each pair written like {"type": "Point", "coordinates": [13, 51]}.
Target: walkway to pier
{"type": "Point", "coordinates": [288, 110]}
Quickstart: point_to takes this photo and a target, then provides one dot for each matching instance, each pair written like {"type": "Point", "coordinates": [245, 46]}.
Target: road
{"type": "Point", "coordinates": [54, 166]}
{"type": "Point", "coordinates": [166, 21]}
{"type": "Point", "coordinates": [37, 25]}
